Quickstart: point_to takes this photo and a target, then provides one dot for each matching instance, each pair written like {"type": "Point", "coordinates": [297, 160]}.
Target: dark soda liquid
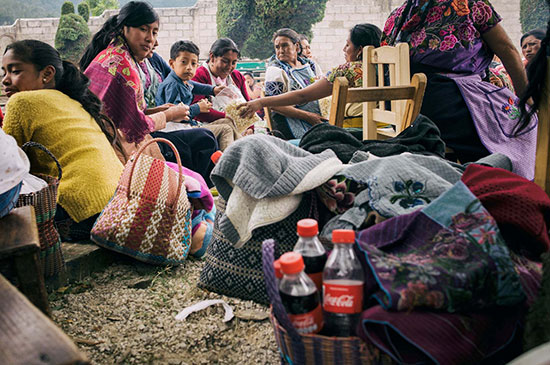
{"type": "Point", "coordinates": [300, 305]}
{"type": "Point", "coordinates": [314, 264]}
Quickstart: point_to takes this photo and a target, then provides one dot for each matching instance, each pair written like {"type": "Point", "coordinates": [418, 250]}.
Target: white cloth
{"type": "Point", "coordinates": [14, 163]}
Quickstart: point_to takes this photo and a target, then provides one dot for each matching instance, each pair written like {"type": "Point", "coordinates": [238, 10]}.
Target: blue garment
{"type": "Point", "coordinates": [174, 90]}
{"type": "Point", "coordinates": [160, 65]}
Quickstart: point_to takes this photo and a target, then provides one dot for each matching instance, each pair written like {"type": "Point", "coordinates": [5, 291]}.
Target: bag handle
{"type": "Point", "coordinates": [47, 151]}
{"type": "Point", "coordinates": [178, 159]}
{"type": "Point", "coordinates": [268, 256]}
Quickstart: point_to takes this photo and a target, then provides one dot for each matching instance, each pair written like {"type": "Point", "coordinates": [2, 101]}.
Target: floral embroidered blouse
{"type": "Point", "coordinates": [445, 34]}
{"type": "Point", "coordinates": [352, 71]}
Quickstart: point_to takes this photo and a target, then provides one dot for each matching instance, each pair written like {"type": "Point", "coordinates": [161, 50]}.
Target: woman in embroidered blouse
{"type": "Point", "coordinates": [360, 35]}
{"type": "Point", "coordinates": [111, 62]}
{"type": "Point", "coordinates": [219, 69]}
{"type": "Point", "coordinates": [453, 42]}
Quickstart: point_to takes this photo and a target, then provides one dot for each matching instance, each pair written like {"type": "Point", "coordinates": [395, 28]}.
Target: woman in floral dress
{"type": "Point", "coordinates": [453, 43]}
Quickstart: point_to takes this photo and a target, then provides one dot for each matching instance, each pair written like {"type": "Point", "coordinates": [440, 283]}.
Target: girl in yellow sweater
{"type": "Point", "coordinates": [50, 103]}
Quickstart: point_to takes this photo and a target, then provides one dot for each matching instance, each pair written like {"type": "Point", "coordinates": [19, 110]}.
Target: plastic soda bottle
{"type": "Point", "coordinates": [312, 250]}
{"type": "Point", "coordinates": [343, 281]}
{"type": "Point", "coordinates": [299, 295]}
{"type": "Point", "coordinates": [278, 271]}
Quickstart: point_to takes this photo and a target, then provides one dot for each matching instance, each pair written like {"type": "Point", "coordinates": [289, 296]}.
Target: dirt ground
{"type": "Point", "coordinates": [125, 315]}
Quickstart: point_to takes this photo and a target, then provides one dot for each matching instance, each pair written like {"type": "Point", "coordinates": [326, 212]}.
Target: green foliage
{"type": "Point", "coordinates": [97, 7]}
{"type": "Point", "coordinates": [67, 8]}
{"type": "Point", "coordinates": [84, 11]}
{"type": "Point", "coordinates": [533, 15]}
{"type": "Point", "coordinates": [72, 37]}
{"type": "Point", "coordinates": [251, 23]}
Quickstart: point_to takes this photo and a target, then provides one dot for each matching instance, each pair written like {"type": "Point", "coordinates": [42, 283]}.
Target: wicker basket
{"type": "Point", "coordinates": [311, 349]}
{"type": "Point", "coordinates": [45, 204]}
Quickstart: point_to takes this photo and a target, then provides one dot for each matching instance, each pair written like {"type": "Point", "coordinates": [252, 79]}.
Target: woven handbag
{"type": "Point", "coordinates": [311, 349]}
{"type": "Point", "coordinates": [44, 203]}
{"type": "Point", "coordinates": [149, 217]}
{"type": "Point", "coordinates": [237, 272]}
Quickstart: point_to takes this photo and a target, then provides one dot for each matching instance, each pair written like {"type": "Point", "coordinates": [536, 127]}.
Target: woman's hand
{"type": "Point", "coordinates": [204, 105]}
{"type": "Point", "coordinates": [314, 119]}
{"type": "Point", "coordinates": [218, 88]}
{"type": "Point", "coordinates": [157, 109]}
{"type": "Point", "coordinates": [177, 112]}
{"type": "Point", "coordinates": [246, 110]}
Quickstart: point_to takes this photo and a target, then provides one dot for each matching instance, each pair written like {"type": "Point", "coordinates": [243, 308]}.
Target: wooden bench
{"type": "Point", "coordinates": [27, 336]}
{"type": "Point", "coordinates": [19, 255]}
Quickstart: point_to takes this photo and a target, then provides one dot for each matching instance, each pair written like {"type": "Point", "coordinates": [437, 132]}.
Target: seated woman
{"type": "Point", "coordinates": [286, 72]}
{"type": "Point", "coordinates": [219, 69]}
{"type": "Point", "coordinates": [50, 103]}
{"type": "Point", "coordinates": [111, 62]}
{"type": "Point", "coordinates": [360, 35]}
{"type": "Point", "coordinates": [453, 43]}
{"type": "Point", "coordinates": [530, 44]}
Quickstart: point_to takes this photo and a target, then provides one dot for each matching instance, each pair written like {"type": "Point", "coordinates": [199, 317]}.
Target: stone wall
{"type": "Point", "coordinates": [329, 35]}
{"type": "Point", "coordinates": [198, 23]}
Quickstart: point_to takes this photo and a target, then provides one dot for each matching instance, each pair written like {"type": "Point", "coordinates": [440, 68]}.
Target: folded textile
{"type": "Point", "coordinates": [262, 178]}
{"type": "Point", "coordinates": [421, 137]}
{"type": "Point", "coordinates": [520, 207]}
{"type": "Point", "coordinates": [448, 256]}
{"type": "Point", "coordinates": [197, 189]}
{"type": "Point", "coordinates": [388, 186]}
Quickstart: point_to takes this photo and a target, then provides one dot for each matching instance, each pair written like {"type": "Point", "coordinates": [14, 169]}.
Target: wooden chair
{"type": "Point", "coordinates": [412, 94]}
{"type": "Point", "coordinates": [19, 255]}
{"type": "Point", "coordinates": [27, 336]}
{"type": "Point", "coordinates": [402, 113]}
{"type": "Point", "coordinates": [542, 163]}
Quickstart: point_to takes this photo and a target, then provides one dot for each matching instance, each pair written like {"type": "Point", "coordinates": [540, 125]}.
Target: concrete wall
{"type": "Point", "coordinates": [329, 35]}
{"type": "Point", "coordinates": [198, 23]}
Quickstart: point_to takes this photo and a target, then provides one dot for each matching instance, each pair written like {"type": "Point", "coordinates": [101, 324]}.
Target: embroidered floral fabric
{"type": "Point", "coordinates": [352, 71]}
{"type": "Point", "coordinates": [443, 33]}
{"type": "Point", "coordinates": [338, 194]}
{"type": "Point", "coordinates": [449, 256]}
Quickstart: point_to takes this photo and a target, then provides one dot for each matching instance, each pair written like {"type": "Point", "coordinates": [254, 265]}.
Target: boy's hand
{"type": "Point", "coordinates": [218, 88]}
{"type": "Point", "coordinates": [204, 105]}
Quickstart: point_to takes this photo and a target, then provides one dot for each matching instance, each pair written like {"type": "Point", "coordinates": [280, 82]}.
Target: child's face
{"type": "Point", "coordinates": [185, 65]}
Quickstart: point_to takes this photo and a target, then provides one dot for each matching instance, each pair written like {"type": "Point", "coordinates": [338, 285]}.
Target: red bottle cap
{"type": "Point", "coordinates": [277, 268]}
{"type": "Point", "coordinates": [216, 156]}
{"type": "Point", "coordinates": [343, 236]}
{"type": "Point", "coordinates": [307, 227]}
{"type": "Point", "coordinates": [291, 263]}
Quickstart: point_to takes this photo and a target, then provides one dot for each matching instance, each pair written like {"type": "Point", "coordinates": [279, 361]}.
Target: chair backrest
{"type": "Point", "coordinates": [411, 94]}
{"type": "Point", "coordinates": [542, 163]}
{"type": "Point", "coordinates": [394, 60]}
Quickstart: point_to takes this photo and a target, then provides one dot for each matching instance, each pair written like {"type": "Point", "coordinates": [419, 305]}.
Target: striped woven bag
{"type": "Point", "coordinates": [149, 217]}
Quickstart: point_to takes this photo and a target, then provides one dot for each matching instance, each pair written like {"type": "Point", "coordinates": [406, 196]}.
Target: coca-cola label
{"type": "Point", "coordinates": [310, 322]}
{"type": "Point", "coordinates": [339, 298]}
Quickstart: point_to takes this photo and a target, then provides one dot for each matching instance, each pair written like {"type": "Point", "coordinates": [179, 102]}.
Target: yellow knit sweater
{"type": "Point", "coordinates": [90, 166]}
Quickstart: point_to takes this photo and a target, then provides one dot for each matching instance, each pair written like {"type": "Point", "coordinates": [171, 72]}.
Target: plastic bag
{"type": "Point", "coordinates": [230, 95]}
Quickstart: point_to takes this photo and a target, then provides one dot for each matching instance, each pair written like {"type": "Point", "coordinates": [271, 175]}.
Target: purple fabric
{"type": "Point", "coordinates": [205, 196]}
{"type": "Point", "coordinates": [441, 338]}
{"type": "Point", "coordinates": [495, 113]}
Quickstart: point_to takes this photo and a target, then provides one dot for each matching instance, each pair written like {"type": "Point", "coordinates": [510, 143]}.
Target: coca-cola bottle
{"type": "Point", "coordinates": [312, 250]}
{"type": "Point", "coordinates": [343, 281]}
{"type": "Point", "coordinates": [299, 295]}
{"type": "Point", "coordinates": [278, 271]}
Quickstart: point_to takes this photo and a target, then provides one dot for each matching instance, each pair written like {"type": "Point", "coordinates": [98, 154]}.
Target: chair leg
{"type": "Point", "coordinates": [31, 281]}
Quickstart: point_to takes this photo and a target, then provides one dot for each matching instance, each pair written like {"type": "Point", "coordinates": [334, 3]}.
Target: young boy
{"type": "Point", "coordinates": [179, 88]}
